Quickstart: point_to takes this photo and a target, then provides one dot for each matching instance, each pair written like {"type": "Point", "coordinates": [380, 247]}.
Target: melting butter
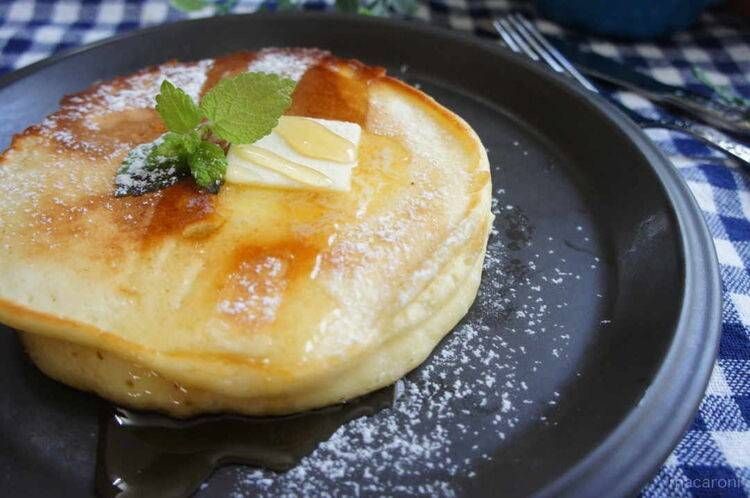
{"type": "Point", "coordinates": [275, 162]}
{"type": "Point", "coordinates": [312, 139]}
{"type": "Point", "coordinates": [300, 153]}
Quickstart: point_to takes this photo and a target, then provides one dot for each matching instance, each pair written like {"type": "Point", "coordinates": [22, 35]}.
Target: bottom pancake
{"type": "Point", "coordinates": [125, 382]}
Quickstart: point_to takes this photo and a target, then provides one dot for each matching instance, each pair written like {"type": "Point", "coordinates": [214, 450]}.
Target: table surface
{"type": "Point", "coordinates": [713, 458]}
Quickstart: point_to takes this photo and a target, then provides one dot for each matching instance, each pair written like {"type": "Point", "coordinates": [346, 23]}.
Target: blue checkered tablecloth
{"type": "Point", "coordinates": [713, 458]}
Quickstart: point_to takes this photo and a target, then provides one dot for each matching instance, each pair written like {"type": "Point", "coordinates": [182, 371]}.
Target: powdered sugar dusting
{"type": "Point", "coordinates": [291, 64]}
{"type": "Point", "coordinates": [144, 88]}
{"type": "Point", "coordinates": [77, 125]}
{"type": "Point", "coordinates": [461, 406]}
{"type": "Point", "coordinates": [257, 287]}
{"type": "Point", "coordinates": [139, 177]}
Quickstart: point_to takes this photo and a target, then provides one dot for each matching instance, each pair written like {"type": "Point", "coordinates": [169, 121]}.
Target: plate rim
{"type": "Point", "coordinates": [688, 360]}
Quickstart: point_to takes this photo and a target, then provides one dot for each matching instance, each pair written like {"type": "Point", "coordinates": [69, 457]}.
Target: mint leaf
{"type": "Point", "coordinates": [148, 167]}
{"type": "Point", "coordinates": [177, 109]}
{"type": "Point", "coordinates": [244, 109]}
{"type": "Point", "coordinates": [189, 5]}
{"type": "Point", "coordinates": [208, 165]}
{"type": "Point", "coordinates": [177, 145]}
{"type": "Point", "coordinates": [161, 163]}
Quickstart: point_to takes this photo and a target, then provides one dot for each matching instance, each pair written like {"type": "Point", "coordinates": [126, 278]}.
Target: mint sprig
{"type": "Point", "coordinates": [238, 110]}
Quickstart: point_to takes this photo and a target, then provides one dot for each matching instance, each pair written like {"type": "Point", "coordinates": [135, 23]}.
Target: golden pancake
{"type": "Point", "coordinates": [255, 300]}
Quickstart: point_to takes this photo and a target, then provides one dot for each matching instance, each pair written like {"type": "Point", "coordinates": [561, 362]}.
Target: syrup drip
{"type": "Point", "coordinates": [314, 140]}
{"type": "Point", "coordinates": [145, 454]}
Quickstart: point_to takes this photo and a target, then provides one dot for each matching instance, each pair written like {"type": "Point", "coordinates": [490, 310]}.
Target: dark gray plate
{"type": "Point", "coordinates": [589, 346]}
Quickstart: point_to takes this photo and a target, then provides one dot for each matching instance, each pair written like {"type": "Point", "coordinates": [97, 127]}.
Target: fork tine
{"type": "Point", "coordinates": [552, 52]}
{"type": "Point", "coordinates": [517, 43]}
{"type": "Point", "coordinates": [517, 23]}
{"type": "Point", "coordinates": [506, 36]}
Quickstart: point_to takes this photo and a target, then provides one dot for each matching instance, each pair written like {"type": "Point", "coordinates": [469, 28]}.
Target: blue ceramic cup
{"type": "Point", "coordinates": [634, 19]}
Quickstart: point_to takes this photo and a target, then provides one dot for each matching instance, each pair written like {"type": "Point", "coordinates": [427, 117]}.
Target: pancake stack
{"type": "Point", "coordinates": [255, 300]}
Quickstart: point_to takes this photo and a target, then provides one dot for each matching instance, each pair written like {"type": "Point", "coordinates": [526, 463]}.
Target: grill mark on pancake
{"type": "Point", "coordinates": [334, 90]}
{"type": "Point", "coordinates": [257, 278]}
{"type": "Point", "coordinates": [330, 88]}
{"type": "Point", "coordinates": [131, 127]}
{"type": "Point", "coordinates": [178, 211]}
{"type": "Point", "coordinates": [177, 208]}
{"type": "Point", "coordinates": [228, 65]}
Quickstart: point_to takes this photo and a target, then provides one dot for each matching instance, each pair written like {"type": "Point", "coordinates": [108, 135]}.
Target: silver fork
{"type": "Point", "coordinates": [522, 37]}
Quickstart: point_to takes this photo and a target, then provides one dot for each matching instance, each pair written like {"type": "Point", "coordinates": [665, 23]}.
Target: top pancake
{"type": "Point", "coordinates": [254, 293]}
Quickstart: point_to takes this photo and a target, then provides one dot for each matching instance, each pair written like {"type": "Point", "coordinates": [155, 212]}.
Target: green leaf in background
{"type": "Point", "coordinates": [208, 165]}
{"type": "Point", "coordinates": [220, 6]}
{"type": "Point", "coordinates": [725, 93]}
{"type": "Point", "coordinates": [246, 108]}
{"type": "Point", "coordinates": [189, 5]}
{"type": "Point", "coordinates": [225, 6]}
{"type": "Point", "coordinates": [177, 109]}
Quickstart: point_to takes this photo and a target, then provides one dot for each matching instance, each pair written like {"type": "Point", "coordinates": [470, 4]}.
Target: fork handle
{"type": "Point", "coordinates": [731, 118]}
{"type": "Point", "coordinates": [703, 133]}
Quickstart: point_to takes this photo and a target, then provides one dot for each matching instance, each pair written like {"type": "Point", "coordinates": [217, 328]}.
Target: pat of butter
{"type": "Point", "coordinates": [273, 162]}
